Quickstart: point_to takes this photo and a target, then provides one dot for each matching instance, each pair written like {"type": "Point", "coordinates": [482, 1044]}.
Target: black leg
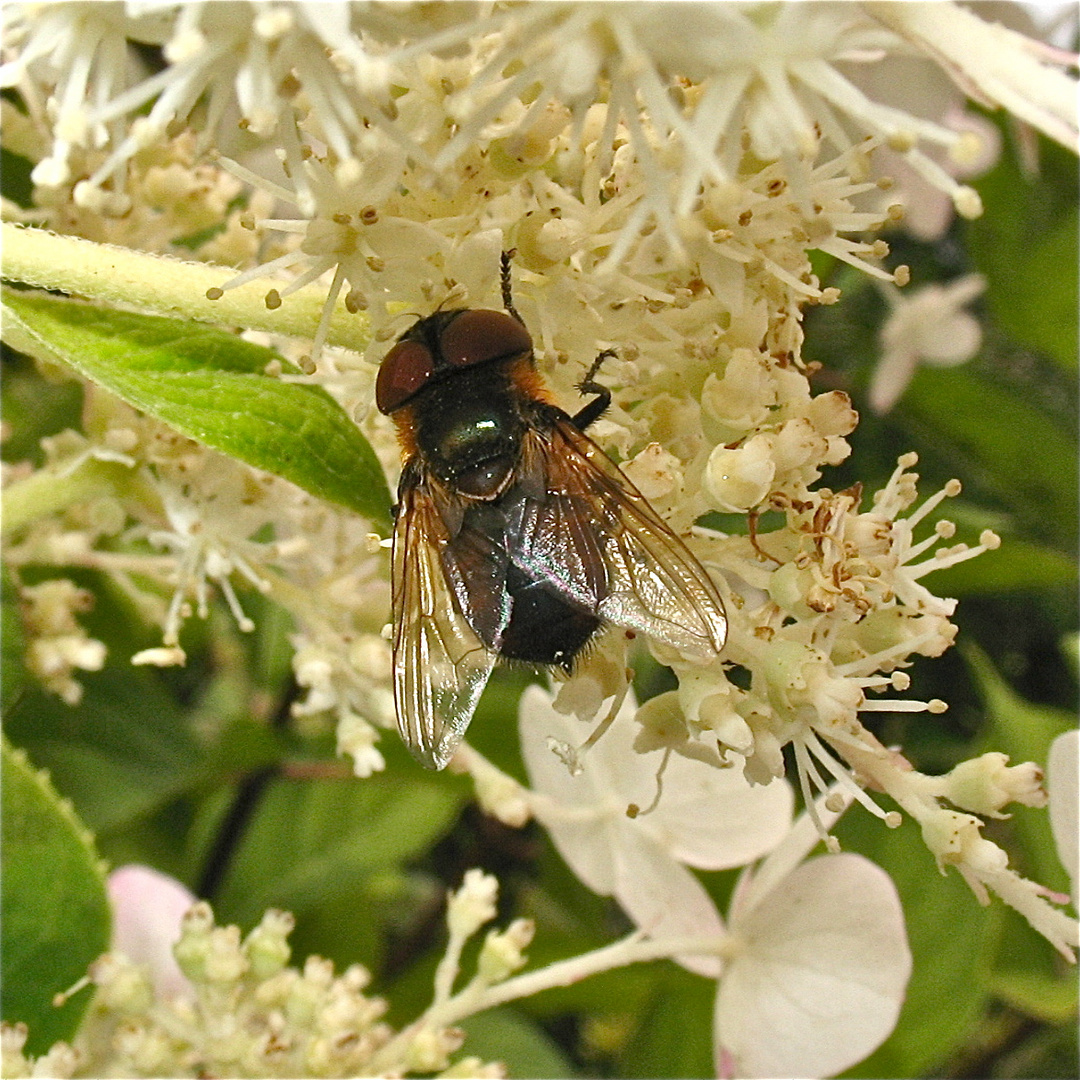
{"type": "Point", "coordinates": [507, 292]}
{"type": "Point", "coordinates": [588, 385]}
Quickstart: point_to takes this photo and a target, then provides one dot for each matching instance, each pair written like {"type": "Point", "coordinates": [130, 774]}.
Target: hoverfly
{"type": "Point", "coordinates": [515, 537]}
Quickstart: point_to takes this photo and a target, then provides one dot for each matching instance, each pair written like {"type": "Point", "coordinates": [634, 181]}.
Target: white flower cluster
{"type": "Point", "coordinates": [811, 965]}
{"type": "Point", "coordinates": [663, 183]}
{"type": "Point", "coordinates": [788, 76]}
{"type": "Point", "coordinates": [178, 995]}
{"type": "Point", "coordinates": [235, 1009]}
{"type": "Point", "coordinates": [203, 511]}
{"type": "Point", "coordinates": [58, 644]}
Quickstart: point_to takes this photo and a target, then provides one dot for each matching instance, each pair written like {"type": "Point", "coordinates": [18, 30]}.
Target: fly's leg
{"type": "Point", "coordinates": [588, 385]}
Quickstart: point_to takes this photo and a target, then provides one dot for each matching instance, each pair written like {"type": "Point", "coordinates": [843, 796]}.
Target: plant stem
{"type": "Point", "coordinates": [161, 285]}
{"type": "Point", "coordinates": [477, 997]}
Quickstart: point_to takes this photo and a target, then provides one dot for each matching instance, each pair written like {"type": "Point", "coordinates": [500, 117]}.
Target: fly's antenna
{"type": "Point", "coordinates": [507, 288]}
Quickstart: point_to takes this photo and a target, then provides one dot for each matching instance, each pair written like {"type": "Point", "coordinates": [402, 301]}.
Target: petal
{"type": "Point", "coordinates": [755, 883]}
{"type": "Point", "coordinates": [612, 769]}
{"type": "Point", "coordinates": [664, 899]}
{"type": "Point", "coordinates": [576, 810]}
{"type": "Point", "coordinates": [1061, 782]}
{"type": "Point", "coordinates": [953, 342]}
{"type": "Point", "coordinates": [891, 377]}
{"type": "Point", "coordinates": [989, 62]}
{"type": "Point", "coordinates": [821, 975]}
{"type": "Point", "coordinates": [147, 909]}
{"type": "Point", "coordinates": [713, 818]}
{"type": "Point", "coordinates": [587, 847]}
{"type": "Point", "coordinates": [628, 775]}
{"type": "Point", "coordinates": [706, 816]}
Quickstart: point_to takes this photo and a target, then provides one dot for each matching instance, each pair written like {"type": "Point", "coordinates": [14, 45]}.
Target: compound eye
{"type": "Point", "coordinates": [404, 371]}
{"type": "Point", "coordinates": [477, 336]}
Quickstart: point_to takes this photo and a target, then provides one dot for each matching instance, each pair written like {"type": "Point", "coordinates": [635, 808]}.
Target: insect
{"type": "Point", "coordinates": [515, 537]}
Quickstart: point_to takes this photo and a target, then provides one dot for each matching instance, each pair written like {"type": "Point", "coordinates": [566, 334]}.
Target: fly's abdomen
{"type": "Point", "coordinates": [546, 626]}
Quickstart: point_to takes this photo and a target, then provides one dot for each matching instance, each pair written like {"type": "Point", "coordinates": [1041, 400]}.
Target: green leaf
{"type": "Point", "coordinates": [56, 912]}
{"type": "Point", "coordinates": [506, 1036]}
{"type": "Point", "coordinates": [13, 643]}
{"type": "Point", "coordinates": [1017, 564]}
{"type": "Point", "coordinates": [674, 1035]}
{"type": "Point", "coordinates": [33, 407]}
{"type": "Point", "coordinates": [1011, 446]}
{"type": "Point", "coordinates": [1052, 1000]}
{"type": "Point", "coordinates": [1026, 245]}
{"type": "Point", "coordinates": [15, 179]}
{"type": "Point", "coordinates": [314, 847]}
{"type": "Point", "coordinates": [210, 386]}
{"type": "Point", "coordinates": [1020, 729]}
{"type": "Point", "coordinates": [125, 751]}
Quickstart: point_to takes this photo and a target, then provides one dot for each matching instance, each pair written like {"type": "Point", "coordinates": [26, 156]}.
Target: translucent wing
{"type": "Point", "coordinates": [652, 583]}
{"type": "Point", "coordinates": [440, 666]}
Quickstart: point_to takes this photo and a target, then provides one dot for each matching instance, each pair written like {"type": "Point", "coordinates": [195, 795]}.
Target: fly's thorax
{"type": "Point", "coordinates": [469, 428]}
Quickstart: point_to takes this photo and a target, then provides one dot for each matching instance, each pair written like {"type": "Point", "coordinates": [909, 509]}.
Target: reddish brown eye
{"type": "Point", "coordinates": [407, 366]}
{"type": "Point", "coordinates": [477, 336]}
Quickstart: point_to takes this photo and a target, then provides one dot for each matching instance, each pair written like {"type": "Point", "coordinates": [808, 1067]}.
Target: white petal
{"type": "Point", "coordinates": [613, 771]}
{"type": "Point", "coordinates": [664, 898]}
{"type": "Point", "coordinates": [708, 817]}
{"type": "Point", "coordinates": [755, 883]}
{"type": "Point", "coordinates": [991, 62]}
{"type": "Point", "coordinates": [713, 819]}
{"type": "Point", "coordinates": [821, 975]}
{"type": "Point", "coordinates": [952, 342]}
{"type": "Point", "coordinates": [147, 909]}
{"type": "Point", "coordinates": [891, 377]}
{"type": "Point", "coordinates": [576, 811]}
{"type": "Point", "coordinates": [1061, 782]}
{"type": "Point", "coordinates": [618, 766]}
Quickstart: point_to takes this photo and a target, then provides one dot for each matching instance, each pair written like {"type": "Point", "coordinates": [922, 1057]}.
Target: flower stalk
{"type": "Point", "coordinates": [164, 285]}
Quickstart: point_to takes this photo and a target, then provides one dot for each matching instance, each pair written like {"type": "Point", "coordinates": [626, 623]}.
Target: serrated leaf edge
{"type": "Point", "coordinates": [43, 779]}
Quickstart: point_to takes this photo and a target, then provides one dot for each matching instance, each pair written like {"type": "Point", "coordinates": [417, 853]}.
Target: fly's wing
{"type": "Point", "coordinates": [440, 666]}
{"type": "Point", "coordinates": [652, 583]}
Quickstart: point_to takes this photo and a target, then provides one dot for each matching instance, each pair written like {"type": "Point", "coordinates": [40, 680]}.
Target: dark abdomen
{"type": "Point", "coordinates": [545, 626]}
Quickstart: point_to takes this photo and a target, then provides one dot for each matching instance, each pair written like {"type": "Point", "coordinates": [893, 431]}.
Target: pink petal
{"type": "Point", "coordinates": [147, 909]}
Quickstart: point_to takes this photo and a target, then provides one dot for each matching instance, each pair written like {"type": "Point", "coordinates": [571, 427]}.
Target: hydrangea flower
{"type": "Point", "coordinates": [926, 325]}
{"type": "Point", "coordinates": [604, 824]}
{"type": "Point", "coordinates": [821, 965]}
{"type": "Point", "coordinates": [1062, 769]}
{"type": "Point", "coordinates": [240, 1010]}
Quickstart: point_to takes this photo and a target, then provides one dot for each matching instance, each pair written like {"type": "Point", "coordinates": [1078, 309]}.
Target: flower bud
{"type": "Point", "coordinates": [208, 954]}
{"type": "Point", "coordinates": [473, 904]}
{"type": "Point", "coordinates": [987, 783]}
{"type": "Point", "coordinates": [431, 1048]}
{"type": "Point", "coordinates": [740, 479]}
{"type": "Point", "coordinates": [503, 952]}
{"type": "Point", "coordinates": [123, 986]}
{"type": "Point", "coordinates": [267, 946]}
